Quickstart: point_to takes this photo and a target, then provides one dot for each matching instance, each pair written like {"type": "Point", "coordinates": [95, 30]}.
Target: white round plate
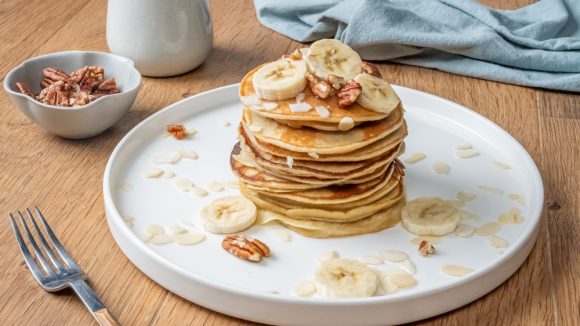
{"type": "Point", "coordinates": [207, 275]}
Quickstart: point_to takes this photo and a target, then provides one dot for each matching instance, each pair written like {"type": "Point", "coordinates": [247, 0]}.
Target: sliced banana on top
{"type": "Point", "coordinates": [331, 57]}
{"type": "Point", "coordinates": [377, 95]}
{"type": "Point", "coordinates": [229, 215]}
{"type": "Point", "coordinates": [345, 278]}
{"type": "Point", "coordinates": [280, 80]}
{"type": "Point", "coordinates": [430, 216]}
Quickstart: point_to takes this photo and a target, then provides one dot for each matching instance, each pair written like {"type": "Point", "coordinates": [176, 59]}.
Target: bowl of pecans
{"type": "Point", "coordinates": [74, 94]}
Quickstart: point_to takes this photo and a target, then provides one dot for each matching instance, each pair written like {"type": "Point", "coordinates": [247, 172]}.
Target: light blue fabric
{"type": "Point", "coordinates": [537, 45]}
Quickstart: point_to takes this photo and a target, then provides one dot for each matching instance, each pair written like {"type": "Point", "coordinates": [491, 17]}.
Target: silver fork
{"type": "Point", "coordinates": [63, 272]}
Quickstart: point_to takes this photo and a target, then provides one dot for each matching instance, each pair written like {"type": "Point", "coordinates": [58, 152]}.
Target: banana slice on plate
{"type": "Point", "coordinates": [229, 215]}
{"type": "Point", "coordinates": [331, 57]}
{"type": "Point", "coordinates": [376, 95]}
{"type": "Point", "coordinates": [345, 278]}
{"type": "Point", "coordinates": [430, 216]}
{"type": "Point", "coordinates": [280, 80]}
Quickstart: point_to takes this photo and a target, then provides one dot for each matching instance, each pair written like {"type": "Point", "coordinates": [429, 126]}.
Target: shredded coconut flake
{"type": "Point", "coordinates": [346, 123]}
{"type": "Point", "coordinates": [300, 97]}
{"type": "Point", "coordinates": [323, 112]}
{"type": "Point", "coordinates": [290, 161]}
{"type": "Point", "coordinates": [268, 106]}
{"type": "Point", "coordinates": [300, 107]}
{"type": "Point", "coordinates": [441, 168]}
{"type": "Point", "coordinates": [251, 100]}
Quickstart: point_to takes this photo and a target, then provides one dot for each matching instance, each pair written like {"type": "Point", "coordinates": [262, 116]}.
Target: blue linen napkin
{"type": "Point", "coordinates": [537, 45]}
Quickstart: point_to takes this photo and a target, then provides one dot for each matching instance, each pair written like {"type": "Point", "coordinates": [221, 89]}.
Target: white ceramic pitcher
{"type": "Point", "coordinates": [162, 37]}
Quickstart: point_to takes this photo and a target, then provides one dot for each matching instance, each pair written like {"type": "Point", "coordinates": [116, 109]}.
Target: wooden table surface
{"type": "Point", "coordinates": [64, 177]}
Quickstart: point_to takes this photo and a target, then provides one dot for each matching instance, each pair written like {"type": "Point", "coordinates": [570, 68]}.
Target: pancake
{"type": "Point", "coordinates": [375, 149]}
{"type": "Point", "coordinates": [307, 140]}
{"type": "Point", "coordinates": [317, 229]}
{"type": "Point", "coordinates": [283, 112]}
{"type": "Point", "coordinates": [326, 126]}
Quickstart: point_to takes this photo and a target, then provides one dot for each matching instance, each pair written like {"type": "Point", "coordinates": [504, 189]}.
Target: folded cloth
{"type": "Point", "coordinates": [537, 45]}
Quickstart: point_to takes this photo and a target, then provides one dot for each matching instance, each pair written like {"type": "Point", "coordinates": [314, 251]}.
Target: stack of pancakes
{"type": "Point", "coordinates": [305, 173]}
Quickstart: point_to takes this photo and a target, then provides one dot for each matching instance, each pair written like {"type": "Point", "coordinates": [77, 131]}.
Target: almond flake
{"type": "Point", "coordinates": [346, 123]}
{"type": "Point", "coordinates": [414, 158]}
{"type": "Point", "coordinates": [155, 229]}
{"type": "Point", "coordinates": [386, 285]}
{"type": "Point", "coordinates": [174, 230]}
{"type": "Point", "coordinates": [465, 215]}
{"type": "Point", "coordinates": [304, 289]}
{"type": "Point", "coordinates": [464, 230]}
{"type": "Point", "coordinates": [488, 229]}
{"type": "Point", "coordinates": [215, 186]}
{"type": "Point", "coordinates": [456, 270]}
{"type": "Point", "coordinates": [491, 190]}
{"type": "Point", "coordinates": [520, 199]}
{"type": "Point", "coordinates": [429, 238]}
{"type": "Point", "coordinates": [323, 112]}
{"type": "Point", "coordinates": [161, 239]}
{"type": "Point", "coordinates": [191, 132]}
{"type": "Point", "coordinates": [183, 185]}
{"type": "Point", "coordinates": [128, 218]}
{"type": "Point", "coordinates": [468, 153]}
{"type": "Point", "coordinates": [300, 97]}
{"type": "Point", "coordinates": [371, 260]}
{"type": "Point", "coordinates": [463, 147]}
{"type": "Point", "coordinates": [400, 278]}
{"type": "Point", "coordinates": [188, 239]}
{"type": "Point", "coordinates": [327, 256]}
{"type": "Point", "coordinates": [497, 242]}
{"type": "Point", "coordinates": [268, 106]}
{"type": "Point", "coordinates": [314, 155]}
{"type": "Point", "coordinates": [255, 128]}
{"type": "Point", "coordinates": [125, 187]}
{"type": "Point", "coordinates": [175, 157]}
{"type": "Point", "coordinates": [500, 165]}
{"type": "Point", "coordinates": [130, 224]}
{"type": "Point", "coordinates": [289, 161]}
{"type": "Point", "coordinates": [408, 266]}
{"type": "Point", "coordinates": [188, 154]}
{"type": "Point", "coordinates": [465, 196]}
{"type": "Point", "coordinates": [198, 191]}
{"type": "Point", "coordinates": [300, 107]}
{"type": "Point", "coordinates": [153, 173]}
{"type": "Point", "coordinates": [393, 255]}
{"type": "Point", "coordinates": [168, 174]}
{"type": "Point", "coordinates": [146, 236]}
{"type": "Point", "coordinates": [187, 222]}
{"type": "Point", "coordinates": [513, 216]}
{"type": "Point", "coordinates": [165, 134]}
{"type": "Point", "coordinates": [226, 123]}
{"type": "Point", "coordinates": [251, 100]}
{"type": "Point", "coordinates": [441, 168]}
{"type": "Point", "coordinates": [281, 234]}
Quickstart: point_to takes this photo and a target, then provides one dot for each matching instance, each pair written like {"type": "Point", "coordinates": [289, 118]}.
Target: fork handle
{"type": "Point", "coordinates": [93, 303]}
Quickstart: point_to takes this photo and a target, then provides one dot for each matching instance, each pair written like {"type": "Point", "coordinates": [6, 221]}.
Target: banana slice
{"type": "Point", "coordinates": [430, 216]}
{"type": "Point", "coordinates": [280, 80]}
{"type": "Point", "coordinates": [345, 278]}
{"type": "Point", "coordinates": [377, 95]}
{"type": "Point", "coordinates": [331, 57]}
{"type": "Point", "coordinates": [229, 215]}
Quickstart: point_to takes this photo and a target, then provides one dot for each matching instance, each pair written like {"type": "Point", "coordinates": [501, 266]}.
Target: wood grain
{"type": "Point", "coordinates": [64, 177]}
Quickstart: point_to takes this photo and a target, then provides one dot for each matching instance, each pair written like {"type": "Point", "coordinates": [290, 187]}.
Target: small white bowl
{"type": "Point", "coordinates": [82, 121]}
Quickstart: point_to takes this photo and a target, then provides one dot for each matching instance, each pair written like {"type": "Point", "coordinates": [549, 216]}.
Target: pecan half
{"type": "Point", "coordinates": [296, 55]}
{"type": "Point", "coordinates": [336, 82]}
{"type": "Point", "coordinates": [349, 93]}
{"type": "Point", "coordinates": [319, 87]}
{"type": "Point", "coordinates": [245, 247]}
{"type": "Point", "coordinates": [59, 94]}
{"type": "Point", "coordinates": [52, 75]}
{"type": "Point", "coordinates": [177, 131]}
{"type": "Point", "coordinates": [88, 77]}
{"type": "Point", "coordinates": [426, 248]}
{"type": "Point", "coordinates": [24, 89]}
{"type": "Point", "coordinates": [371, 69]}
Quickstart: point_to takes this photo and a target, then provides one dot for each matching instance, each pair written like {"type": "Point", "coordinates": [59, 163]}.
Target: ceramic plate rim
{"type": "Point", "coordinates": [527, 234]}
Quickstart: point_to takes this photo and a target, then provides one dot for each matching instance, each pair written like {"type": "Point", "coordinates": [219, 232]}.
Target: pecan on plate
{"type": "Point", "coordinates": [320, 88]}
{"type": "Point", "coordinates": [88, 77]}
{"type": "Point", "coordinates": [245, 247]}
{"type": "Point", "coordinates": [371, 69]}
{"type": "Point", "coordinates": [24, 89]}
{"type": "Point", "coordinates": [426, 248]}
{"type": "Point", "coordinates": [177, 131]}
{"type": "Point", "coordinates": [349, 93]}
{"type": "Point", "coordinates": [52, 75]}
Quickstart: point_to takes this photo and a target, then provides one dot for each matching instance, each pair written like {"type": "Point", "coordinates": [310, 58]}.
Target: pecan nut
{"type": "Point", "coordinates": [371, 69]}
{"type": "Point", "coordinates": [88, 77]}
{"type": "Point", "coordinates": [177, 131]}
{"type": "Point", "coordinates": [52, 75]}
{"type": "Point", "coordinates": [245, 247]}
{"type": "Point", "coordinates": [426, 248]}
{"type": "Point", "coordinates": [319, 87]}
{"type": "Point", "coordinates": [59, 94]}
{"type": "Point", "coordinates": [296, 55]}
{"type": "Point", "coordinates": [24, 89]}
{"type": "Point", "coordinates": [349, 93]}
{"type": "Point", "coordinates": [336, 82]}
